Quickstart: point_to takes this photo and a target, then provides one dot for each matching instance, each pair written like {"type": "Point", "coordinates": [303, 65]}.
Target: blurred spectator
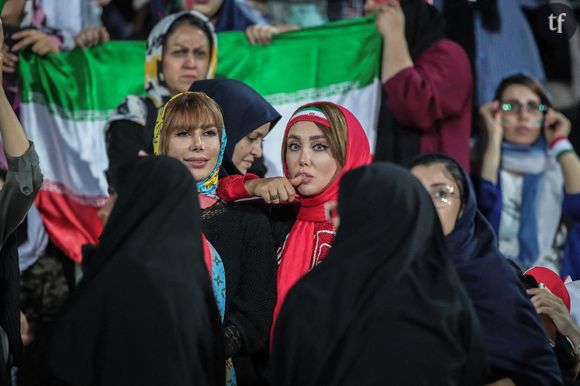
{"type": "Point", "coordinates": [125, 20]}
{"type": "Point", "coordinates": [28, 25]}
{"type": "Point", "coordinates": [344, 9]}
{"type": "Point", "coordinates": [497, 37]}
{"type": "Point", "coordinates": [504, 312]}
{"type": "Point", "coordinates": [302, 13]}
{"type": "Point", "coordinates": [25, 26]}
{"type": "Point", "coordinates": [78, 20]}
{"type": "Point", "coordinates": [530, 176]}
{"type": "Point", "coordinates": [226, 15]}
{"type": "Point", "coordinates": [427, 84]}
{"type": "Point", "coordinates": [552, 302]}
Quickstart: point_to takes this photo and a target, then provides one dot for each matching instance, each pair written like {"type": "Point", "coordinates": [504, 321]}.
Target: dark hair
{"type": "Point", "coordinates": [451, 168]}
{"type": "Point", "coordinates": [523, 80]}
{"type": "Point", "coordinates": [189, 19]}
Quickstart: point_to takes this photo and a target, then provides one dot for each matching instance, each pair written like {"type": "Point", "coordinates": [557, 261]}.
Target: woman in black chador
{"type": "Point", "coordinates": [144, 314]}
{"type": "Point", "coordinates": [385, 307]}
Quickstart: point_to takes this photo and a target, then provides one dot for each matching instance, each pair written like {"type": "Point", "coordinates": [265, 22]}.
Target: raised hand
{"type": "Point", "coordinates": [490, 119]}
{"type": "Point", "coordinates": [40, 42]}
{"type": "Point", "coordinates": [556, 125]}
{"type": "Point", "coordinates": [277, 190]}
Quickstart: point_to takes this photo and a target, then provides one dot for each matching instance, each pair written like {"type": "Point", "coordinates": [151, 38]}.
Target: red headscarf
{"type": "Point", "coordinates": [298, 249]}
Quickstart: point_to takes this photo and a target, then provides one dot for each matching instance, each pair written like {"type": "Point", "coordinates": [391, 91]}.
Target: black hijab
{"type": "Point", "coordinates": [145, 313]}
{"type": "Point", "coordinates": [244, 110]}
{"type": "Point", "coordinates": [385, 307]}
{"type": "Point", "coordinates": [423, 27]}
{"type": "Point", "coordinates": [514, 339]}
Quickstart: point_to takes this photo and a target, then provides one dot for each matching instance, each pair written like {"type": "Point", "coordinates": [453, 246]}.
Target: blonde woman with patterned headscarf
{"type": "Point", "coordinates": [190, 128]}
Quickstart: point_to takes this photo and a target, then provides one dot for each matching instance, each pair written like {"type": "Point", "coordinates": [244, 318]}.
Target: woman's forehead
{"type": "Point", "coordinates": [305, 129]}
{"type": "Point", "coordinates": [519, 92]}
{"type": "Point", "coordinates": [434, 174]}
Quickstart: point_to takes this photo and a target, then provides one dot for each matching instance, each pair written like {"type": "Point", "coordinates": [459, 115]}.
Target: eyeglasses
{"type": "Point", "coordinates": [516, 108]}
{"type": "Point", "coordinates": [442, 196]}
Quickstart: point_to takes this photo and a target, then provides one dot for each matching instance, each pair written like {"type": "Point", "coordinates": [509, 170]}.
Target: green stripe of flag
{"type": "Point", "coordinates": [2, 5]}
{"type": "Point", "coordinates": [299, 65]}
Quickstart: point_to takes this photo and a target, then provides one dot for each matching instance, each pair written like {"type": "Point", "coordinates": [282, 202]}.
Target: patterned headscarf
{"type": "Point", "coordinates": [208, 186]}
{"type": "Point", "coordinates": [133, 107]}
{"type": "Point", "coordinates": [154, 82]}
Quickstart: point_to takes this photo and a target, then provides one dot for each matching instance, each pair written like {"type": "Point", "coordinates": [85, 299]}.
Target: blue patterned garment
{"type": "Point", "coordinates": [218, 282]}
{"type": "Point", "coordinates": [209, 185]}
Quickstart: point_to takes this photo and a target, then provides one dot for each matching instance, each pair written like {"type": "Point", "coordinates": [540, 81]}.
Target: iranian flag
{"type": "Point", "coordinates": [67, 98]}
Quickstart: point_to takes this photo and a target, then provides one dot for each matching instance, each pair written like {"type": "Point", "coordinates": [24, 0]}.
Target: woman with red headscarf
{"type": "Point", "coordinates": [322, 142]}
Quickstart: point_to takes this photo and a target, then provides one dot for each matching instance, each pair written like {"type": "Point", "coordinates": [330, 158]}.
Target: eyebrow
{"type": "Point", "coordinates": [196, 47]}
{"type": "Point", "coordinates": [207, 126]}
{"type": "Point", "coordinates": [203, 127]}
{"type": "Point", "coordinates": [523, 103]}
{"type": "Point", "coordinates": [312, 138]}
{"type": "Point", "coordinates": [440, 185]}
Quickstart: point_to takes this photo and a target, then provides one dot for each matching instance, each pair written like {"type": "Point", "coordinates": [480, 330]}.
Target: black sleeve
{"type": "Point", "coordinates": [282, 218]}
{"type": "Point", "coordinates": [124, 140]}
{"type": "Point", "coordinates": [253, 304]}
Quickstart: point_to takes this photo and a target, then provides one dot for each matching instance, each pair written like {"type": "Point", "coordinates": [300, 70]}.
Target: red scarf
{"type": "Point", "coordinates": [311, 227]}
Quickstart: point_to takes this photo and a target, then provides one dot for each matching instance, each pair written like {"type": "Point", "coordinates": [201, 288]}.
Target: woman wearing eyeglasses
{"type": "Point", "coordinates": [516, 346]}
{"type": "Point", "coordinates": [529, 176]}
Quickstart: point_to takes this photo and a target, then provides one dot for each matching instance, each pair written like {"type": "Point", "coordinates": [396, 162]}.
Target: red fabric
{"type": "Point", "coordinates": [205, 201]}
{"type": "Point", "coordinates": [552, 282]}
{"type": "Point", "coordinates": [69, 222]}
{"type": "Point", "coordinates": [206, 254]}
{"type": "Point", "coordinates": [232, 188]}
{"type": "Point", "coordinates": [311, 225]}
{"type": "Point", "coordinates": [435, 96]}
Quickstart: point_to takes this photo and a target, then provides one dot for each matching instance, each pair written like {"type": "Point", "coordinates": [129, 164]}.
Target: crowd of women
{"type": "Point", "coordinates": [409, 267]}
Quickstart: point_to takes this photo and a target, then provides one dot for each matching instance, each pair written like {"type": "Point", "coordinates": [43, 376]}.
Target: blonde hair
{"type": "Point", "coordinates": [187, 112]}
